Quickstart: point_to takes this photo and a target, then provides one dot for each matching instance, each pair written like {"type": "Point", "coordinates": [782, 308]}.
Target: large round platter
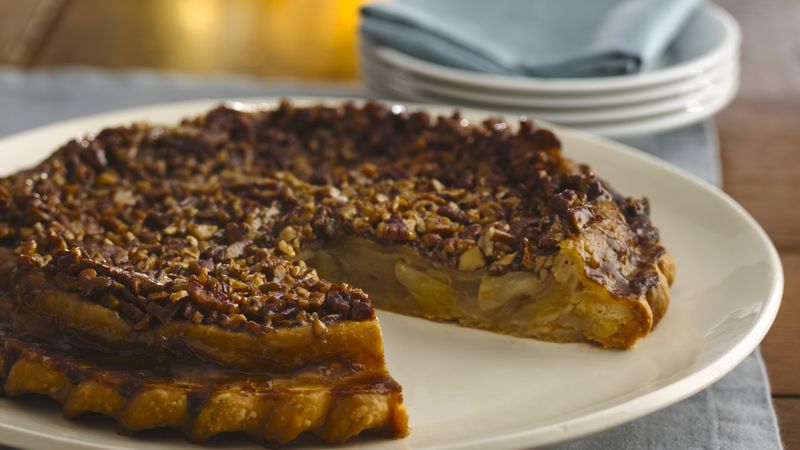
{"type": "Point", "coordinates": [472, 389]}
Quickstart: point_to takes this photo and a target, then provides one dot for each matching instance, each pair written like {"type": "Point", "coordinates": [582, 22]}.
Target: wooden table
{"type": "Point", "coordinates": [759, 132]}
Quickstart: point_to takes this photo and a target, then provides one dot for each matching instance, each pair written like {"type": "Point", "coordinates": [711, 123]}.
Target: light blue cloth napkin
{"type": "Point", "coordinates": [542, 38]}
{"type": "Point", "coordinates": [734, 413]}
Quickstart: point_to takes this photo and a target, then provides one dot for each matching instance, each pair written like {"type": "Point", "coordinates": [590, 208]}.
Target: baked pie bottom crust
{"type": "Point", "coordinates": [333, 399]}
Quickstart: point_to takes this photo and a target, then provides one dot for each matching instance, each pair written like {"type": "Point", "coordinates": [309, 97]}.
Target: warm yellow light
{"type": "Point", "coordinates": [292, 38]}
{"type": "Point", "coordinates": [198, 16]}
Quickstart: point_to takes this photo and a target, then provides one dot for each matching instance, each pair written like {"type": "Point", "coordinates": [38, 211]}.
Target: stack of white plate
{"type": "Point", "coordinates": [697, 76]}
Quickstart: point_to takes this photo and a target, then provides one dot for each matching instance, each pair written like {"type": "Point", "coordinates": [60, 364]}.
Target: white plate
{"type": "Point", "coordinates": [473, 389]}
{"type": "Point", "coordinates": [572, 116]}
{"type": "Point", "coordinates": [691, 112]}
{"type": "Point", "coordinates": [661, 123]}
{"type": "Point", "coordinates": [710, 37]}
{"type": "Point", "coordinates": [701, 81]}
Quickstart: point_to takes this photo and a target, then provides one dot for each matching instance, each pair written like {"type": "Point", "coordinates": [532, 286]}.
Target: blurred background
{"type": "Point", "coordinates": [315, 40]}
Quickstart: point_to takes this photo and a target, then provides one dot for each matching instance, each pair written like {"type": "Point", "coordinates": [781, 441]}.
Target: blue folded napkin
{"type": "Point", "coordinates": [541, 38]}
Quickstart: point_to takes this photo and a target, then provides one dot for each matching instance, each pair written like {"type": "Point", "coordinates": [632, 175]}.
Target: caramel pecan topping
{"type": "Point", "coordinates": [204, 222]}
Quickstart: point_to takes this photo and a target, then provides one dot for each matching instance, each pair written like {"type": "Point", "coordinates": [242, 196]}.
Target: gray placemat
{"type": "Point", "coordinates": [694, 148]}
{"type": "Point", "coordinates": [734, 413]}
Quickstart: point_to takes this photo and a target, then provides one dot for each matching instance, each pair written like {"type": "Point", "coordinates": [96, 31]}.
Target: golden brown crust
{"type": "Point", "coordinates": [272, 416]}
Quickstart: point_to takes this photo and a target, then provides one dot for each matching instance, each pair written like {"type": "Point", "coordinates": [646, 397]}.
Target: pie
{"type": "Point", "coordinates": [222, 275]}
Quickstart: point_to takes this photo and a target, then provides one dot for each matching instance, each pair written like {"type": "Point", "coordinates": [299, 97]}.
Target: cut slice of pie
{"type": "Point", "coordinates": [179, 276]}
{"type": "Point", "coordinates": [65, 334]}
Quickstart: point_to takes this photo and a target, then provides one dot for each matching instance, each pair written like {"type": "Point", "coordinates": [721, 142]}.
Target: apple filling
{"type": "Point", "coordinates": [557, 303]}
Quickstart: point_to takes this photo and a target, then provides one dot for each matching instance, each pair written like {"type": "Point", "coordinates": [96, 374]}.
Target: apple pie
{"type": "Point", "coordinates": [222, 274]}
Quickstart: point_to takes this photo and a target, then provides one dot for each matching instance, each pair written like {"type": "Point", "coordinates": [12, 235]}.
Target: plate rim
{"type": "Point", "coordinates": [522, 99]}
{"type": "Point", "coordinates": [564, 431]}
{"type": "Point", "coordinates": [665, 122]}
{"type": "Point", "coordinates": [613, 130]}
{"type": "Point", "coordinates": [577, 116]}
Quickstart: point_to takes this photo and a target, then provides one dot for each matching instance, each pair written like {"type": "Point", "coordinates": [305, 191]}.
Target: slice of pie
{"type": "Point", "coordinates": [195, 277]}
{"type": "Point", "coordinates": [187, 354]}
